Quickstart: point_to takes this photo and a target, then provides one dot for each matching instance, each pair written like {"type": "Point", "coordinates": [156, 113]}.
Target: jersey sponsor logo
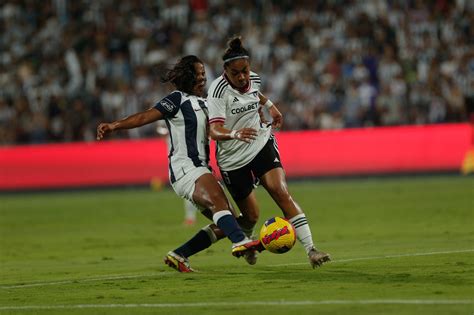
{"type": "Point", "coordinates": [167, 105]}
{"type": "Point", "coordinates": [244, 109]}
{"type": "Point", "coordinates": [235, 99]}
{"type": "Point", "coordinates": [254, 94]}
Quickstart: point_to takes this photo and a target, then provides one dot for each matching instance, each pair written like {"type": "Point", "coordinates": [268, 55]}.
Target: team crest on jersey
{"type": "Point", "coordinates": [166, 105]}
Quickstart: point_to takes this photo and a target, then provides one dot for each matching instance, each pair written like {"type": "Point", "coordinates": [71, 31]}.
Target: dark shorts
{"type": "Point", "coordinates": [240, 182]}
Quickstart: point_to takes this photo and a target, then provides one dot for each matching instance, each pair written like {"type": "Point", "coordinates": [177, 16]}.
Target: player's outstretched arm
{"type": "Point", "coordinates": [219, 133]}
{"type": "Point", "coordinates": [133, 121]}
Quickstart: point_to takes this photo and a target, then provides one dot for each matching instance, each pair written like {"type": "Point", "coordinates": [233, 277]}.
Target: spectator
{"type": "Point", "coordinates": [360, 63]}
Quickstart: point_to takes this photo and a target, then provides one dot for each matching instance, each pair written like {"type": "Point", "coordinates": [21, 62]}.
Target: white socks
{"type": "Point", "coordinates": [228, 224]}
{"type": "Point", "coordinates": [220, 214]}
{"type": "Point", "coordinates": [303, 232]}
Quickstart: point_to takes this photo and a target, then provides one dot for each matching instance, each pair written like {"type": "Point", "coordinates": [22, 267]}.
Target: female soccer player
{"type": "Point", "coordinates": [185, 113]}
{"type": "Point", "coordinates": [246, 147]}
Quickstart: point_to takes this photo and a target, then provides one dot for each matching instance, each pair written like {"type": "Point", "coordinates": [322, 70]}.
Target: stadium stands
{"type": "Point", "coordinates": [65, 65]}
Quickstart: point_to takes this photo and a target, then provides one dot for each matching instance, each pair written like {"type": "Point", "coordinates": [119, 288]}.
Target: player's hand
{"type": "Point", "coordinates": [277, 117]}
{"type": "Point", "coordinates": [262, 115]}
{"type": "Point", "coordinates": [246, 134]}
{"type": "Point", "coordinates": [103, 129]}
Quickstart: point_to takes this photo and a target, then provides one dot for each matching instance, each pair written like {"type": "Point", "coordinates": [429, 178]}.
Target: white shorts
{"type": "Point", "coordinates": [184, 187]}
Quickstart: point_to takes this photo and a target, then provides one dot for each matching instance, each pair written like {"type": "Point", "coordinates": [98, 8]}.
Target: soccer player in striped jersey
{"type": "Point", "coordinates": [186, 116]}
{"type": "Point", "coordinates": [247, 149]}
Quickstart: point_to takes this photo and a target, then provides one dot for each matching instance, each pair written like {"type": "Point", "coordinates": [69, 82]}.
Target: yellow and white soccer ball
{"type": "Point", "coordinates": [277, 235]}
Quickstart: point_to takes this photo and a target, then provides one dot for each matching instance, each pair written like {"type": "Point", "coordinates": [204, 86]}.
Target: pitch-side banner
{"type": "Point", "coordinates": [388, 150]}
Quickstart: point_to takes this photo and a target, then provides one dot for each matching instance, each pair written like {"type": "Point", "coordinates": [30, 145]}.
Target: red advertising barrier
{"type": "Point", "coordinates": [106, 163]}
{"type": "Point", "coordinates": [305, 154]}
{"type": "Point", "coordinates": [376, 150]}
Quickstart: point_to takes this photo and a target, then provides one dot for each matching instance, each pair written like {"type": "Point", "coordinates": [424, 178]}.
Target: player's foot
{"type": "Point", "coordinates": [317, 258]}
{"type": "Point", "coordinates": [239, 249]}
{"type": "Point", "coordinates": [178, 262]}
{"type": "Point", "coordinates": [251, 257]}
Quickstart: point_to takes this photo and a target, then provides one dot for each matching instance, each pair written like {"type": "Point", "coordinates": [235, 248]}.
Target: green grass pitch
{"type": "Point", "coordinates": [399, 246]}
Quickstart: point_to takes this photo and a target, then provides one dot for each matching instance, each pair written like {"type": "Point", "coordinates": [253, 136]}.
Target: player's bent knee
{"type": "Point", "coordinates": [218, 201]}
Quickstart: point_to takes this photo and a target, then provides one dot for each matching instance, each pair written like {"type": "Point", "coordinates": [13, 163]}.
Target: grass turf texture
{"type": "Point", "coordinates": [101, 252]}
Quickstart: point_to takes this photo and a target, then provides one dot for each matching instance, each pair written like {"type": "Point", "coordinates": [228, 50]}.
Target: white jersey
{"type": "Point", "coordinates": [186, 117]}
{"type": "Point", "coordinates": [237, 110]}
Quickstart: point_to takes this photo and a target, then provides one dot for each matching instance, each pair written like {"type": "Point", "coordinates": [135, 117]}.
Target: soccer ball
{"type": "Point", "coordinates": [277, 235]}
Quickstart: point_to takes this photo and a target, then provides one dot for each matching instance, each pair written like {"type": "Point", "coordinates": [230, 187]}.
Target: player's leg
{"type": "Point", "coordinates": [205, 237]}
{"type": "Point", "coordinates": [275, 183]}
{"type": "Point", "coordinates": [178, 258]}
{"type": "Point", "coordinates": [205, 191]}
{"type": "Point", "coordinates": [267, 166]}
{"type": "Point", "coordinates": [249, 213]}
{"type": "Point", "coordinates": [200, 241]}
{"type": "Point", "coordinates": [190, 211]}
{"type": "Point", "coordinates": [239, 183]}
{"type": "Point", "coordinates": [210, 195]}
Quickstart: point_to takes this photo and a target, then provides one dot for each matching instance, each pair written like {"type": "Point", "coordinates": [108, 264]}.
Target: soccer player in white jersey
{"type": "Point", "coordinates": [185, 113]}
{"type": "Point", "coordinates": [247, 149]}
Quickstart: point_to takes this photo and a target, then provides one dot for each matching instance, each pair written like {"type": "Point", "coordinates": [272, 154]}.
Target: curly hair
{"type": "Point", "coordinates": [183, 74]}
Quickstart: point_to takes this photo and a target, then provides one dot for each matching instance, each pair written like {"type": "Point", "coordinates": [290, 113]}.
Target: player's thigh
{"type": "Point", "coordinates": [249, 208]}
{"type": "Point", "coordinates": [208, 213]}
{"type": "Point", "coordinates": [185, 186]}
{"type": "Point", "coordinates": [268, 169]}
{"type": "Point", "coordinates": [209, 194]}
{"type": "Point", "coordinates": [274, 182]}
{"type": "Point", "coordinates": [239, 182]}
{"type": "Point", "coordinates": [201, 188]}
{"type": "Point", "coordinates": [267, 159]}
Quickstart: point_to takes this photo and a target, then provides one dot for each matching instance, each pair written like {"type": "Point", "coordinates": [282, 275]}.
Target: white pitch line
{"type": "Point", "coordinates": [246, 303]}
{"type": "Point", "coordinates": [124, 277]}
{"type": "Point", "coordinates": [105, 278]}
{"type": "Point", "coordinates": [384, 257]}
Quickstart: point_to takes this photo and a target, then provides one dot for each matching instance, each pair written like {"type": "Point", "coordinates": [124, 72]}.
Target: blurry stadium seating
{"type": "Point", "coordinates": [66, 65]}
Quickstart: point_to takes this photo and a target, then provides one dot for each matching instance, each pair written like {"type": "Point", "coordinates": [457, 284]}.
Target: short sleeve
{"type": "Point", "coordinates": [256, 81]}
{"type": "Point", "coordinates": [216, 101]}
{"type": "Point", "coordinates": [169, 105]}
{"type": "Point", "coordinates": [217, 109]}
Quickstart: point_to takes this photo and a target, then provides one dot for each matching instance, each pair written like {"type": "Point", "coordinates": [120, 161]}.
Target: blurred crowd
{"type": "Point", "coordinates": [66, 65]}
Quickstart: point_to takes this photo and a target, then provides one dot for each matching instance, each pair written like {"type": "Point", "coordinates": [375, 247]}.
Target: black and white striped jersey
{"type": "Point", "coordinates": [237, 110]}
{"type": "Point", "coordinates": [186, 117]}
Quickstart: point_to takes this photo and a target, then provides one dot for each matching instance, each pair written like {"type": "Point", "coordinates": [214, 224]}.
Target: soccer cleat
{"type": "Point", "coordinates": [239, 249]}
{"type": "Point", "coordinates": [251, 257]}
{"type": "Point", "coordinates": [317, 258]}
{"type": "Point", "coordinates": [178, 262]}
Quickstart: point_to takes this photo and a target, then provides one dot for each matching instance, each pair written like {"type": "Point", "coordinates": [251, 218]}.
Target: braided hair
{"type": "Point", "coordinates": [235, 50]}
{"type": "Point", "coordinates": [182, 75]}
